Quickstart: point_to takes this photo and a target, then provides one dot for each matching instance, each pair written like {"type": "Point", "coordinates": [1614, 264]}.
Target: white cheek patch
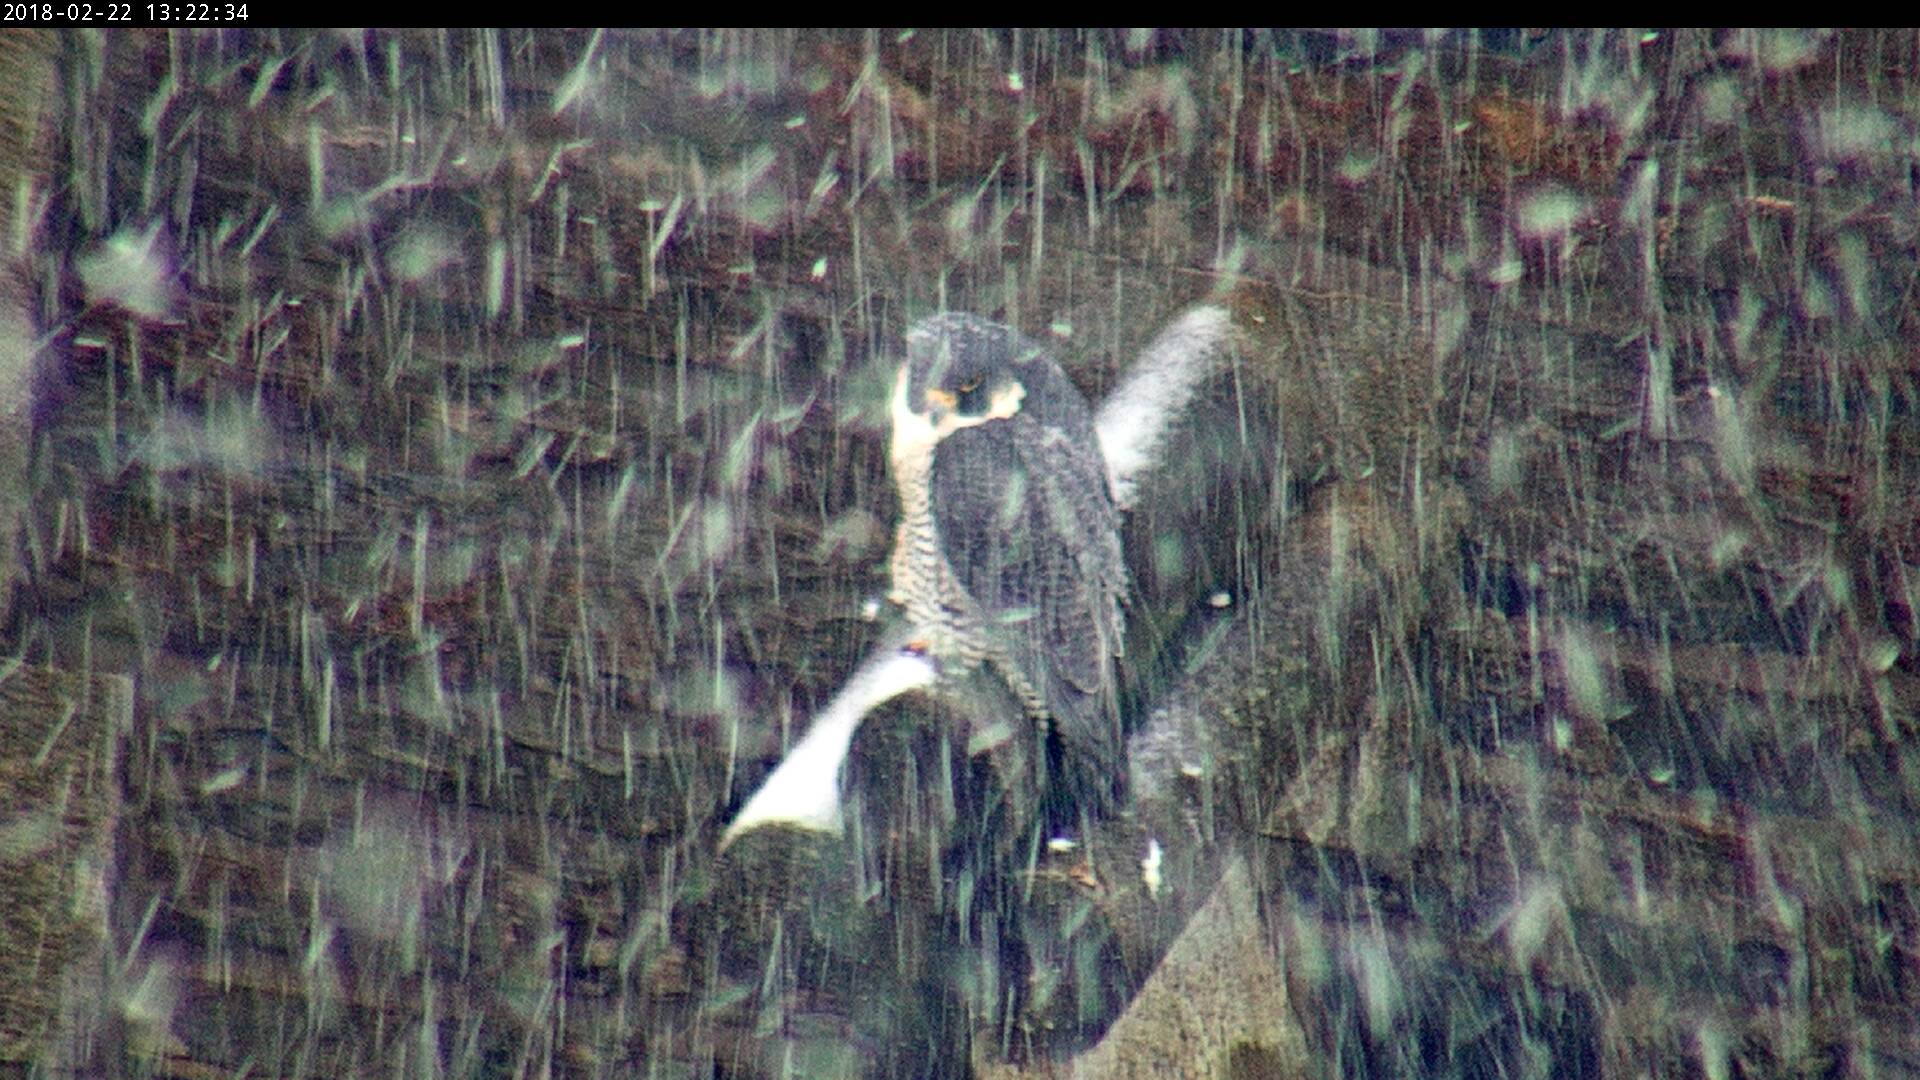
{"type": "Point", "coordinates": [915, 435]}
{"type": "Point", "coordinates": [1006, 402]}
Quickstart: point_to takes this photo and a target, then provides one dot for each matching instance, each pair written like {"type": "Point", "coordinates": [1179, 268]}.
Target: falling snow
{"type": "Point", "coordinates": [445, 472]}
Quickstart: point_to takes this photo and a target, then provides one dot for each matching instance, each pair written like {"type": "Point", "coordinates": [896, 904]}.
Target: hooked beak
{"type": "Point", "coordinates": [941, 404]}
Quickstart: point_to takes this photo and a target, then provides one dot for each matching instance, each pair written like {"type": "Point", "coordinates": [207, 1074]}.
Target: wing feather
{"type": "Point", "coordinates": [1030, 531]}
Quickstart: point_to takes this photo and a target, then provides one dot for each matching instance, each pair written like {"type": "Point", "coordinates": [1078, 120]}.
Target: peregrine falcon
{"type": "Point", "coordinates": [1008, 549]}
{"type": "Point", "coordinates": [1007, 558]}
